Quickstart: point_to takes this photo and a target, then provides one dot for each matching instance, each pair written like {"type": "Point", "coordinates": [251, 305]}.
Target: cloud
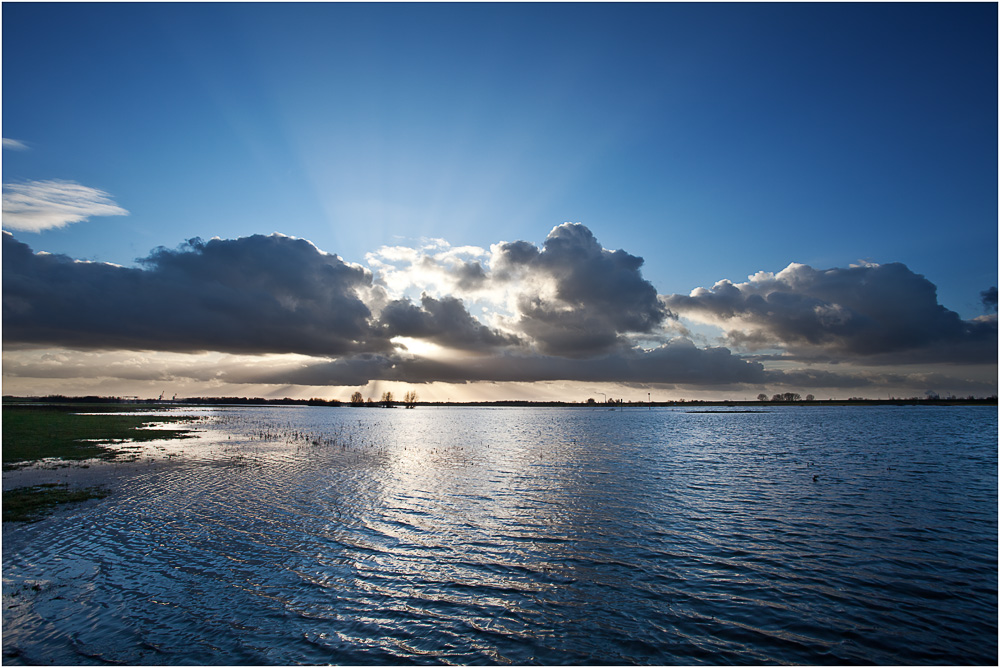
{"type": "Point", "coordinates": [989, 299]}
{"type": "Point", "coordinates": [676, 362]}
{"type": "Point", "coordinates": [257, 294]}
{"type": "Point", "coordinates": [675, 365]}
{"type": "Point", "coordinates": [14, 145]}
{"type": "Point", "coordinates": [914, 382]}
{"type": "Point", "coordinates": [575, 298]}
{"type": "Point", "coordinates": [277, 310]}
{"type": "Point", "coordinates": [443, 321]}
{"type": "Point", "coordinates": [876, 314]}
{"type": "Point", "coordinates": [569, 298]}
{"type": "Point", "coordinates": [277, 294]}
{"type": "Point", "coordinates": [165, 367]}
{"type": "Point", "coordinates": [434, 267]}
{"type": "Point", "coordinates": [35, 206]}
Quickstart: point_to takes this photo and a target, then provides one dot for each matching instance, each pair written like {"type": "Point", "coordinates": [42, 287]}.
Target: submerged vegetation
{"type": "Point", "coordinates": [32, 433]}
{"type": "Point", "coordinates": [29, 504]}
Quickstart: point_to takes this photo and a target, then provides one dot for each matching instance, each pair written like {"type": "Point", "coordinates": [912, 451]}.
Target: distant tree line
{"type": "Point", "coordinates": [785, 397]}
{"type": "Point", "coordinates": [388, 400]}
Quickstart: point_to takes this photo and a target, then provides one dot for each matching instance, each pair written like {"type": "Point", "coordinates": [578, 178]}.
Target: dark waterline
{"type": "Point", "coordinates": [528, 536]}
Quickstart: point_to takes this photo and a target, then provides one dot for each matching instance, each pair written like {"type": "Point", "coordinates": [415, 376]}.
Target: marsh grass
{"type": "Point", "coordinates": [30, 504]}
{"type": "Point", "coordinates": [31, 433]}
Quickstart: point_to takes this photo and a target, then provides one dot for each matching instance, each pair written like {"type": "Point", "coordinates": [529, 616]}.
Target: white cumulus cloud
{"type": "Point", "coordinates": [880, 313]}
{"type": "Point", "coordinates": [34, 206]}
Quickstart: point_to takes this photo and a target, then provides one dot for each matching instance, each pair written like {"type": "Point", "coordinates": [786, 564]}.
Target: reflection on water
{"type": "Point", "coordinates": [552, 536]}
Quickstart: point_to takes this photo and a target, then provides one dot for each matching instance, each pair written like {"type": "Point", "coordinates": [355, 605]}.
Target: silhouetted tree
{"type": "Point", "coordinates": [761, 397]}
{"type": "Point", "coordinates": [357, 399]}
{"type": "Point", "coordinates": [387, 399]}
{"type": "Point", "coordinates": [410, 399]}
{"type": "Point", "coordinates": [810, 397]}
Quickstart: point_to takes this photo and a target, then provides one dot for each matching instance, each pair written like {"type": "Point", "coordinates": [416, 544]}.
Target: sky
{"type": "Point", "coordinates": [500, 201]}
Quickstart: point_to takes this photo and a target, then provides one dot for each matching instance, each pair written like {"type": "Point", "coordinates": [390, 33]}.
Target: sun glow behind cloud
{"type": "Point", "coordinates": [431, 266]}
{"type": "Point", "coordinates": [422, 348]}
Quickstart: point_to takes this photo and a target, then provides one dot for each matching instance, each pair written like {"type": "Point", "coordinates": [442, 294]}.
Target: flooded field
{"type": "Point", "coordinates": [295, 535]}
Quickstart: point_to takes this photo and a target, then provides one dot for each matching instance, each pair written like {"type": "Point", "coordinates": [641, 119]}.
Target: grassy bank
{"type": "Point", "coordinates": [31, 433]}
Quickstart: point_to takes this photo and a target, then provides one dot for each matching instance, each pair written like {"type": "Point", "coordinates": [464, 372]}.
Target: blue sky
{"type": "Point", "coordinates": [714, 141]}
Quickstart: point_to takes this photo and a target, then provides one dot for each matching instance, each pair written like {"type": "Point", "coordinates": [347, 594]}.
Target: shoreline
{"type": "Point", "coordinates": [114, 404]}
{"type": "Point", "coordinates": [57, 457]}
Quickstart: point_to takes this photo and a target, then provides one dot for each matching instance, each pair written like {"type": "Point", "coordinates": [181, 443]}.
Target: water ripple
{"type": "Point", "coordinates": [528, 537]}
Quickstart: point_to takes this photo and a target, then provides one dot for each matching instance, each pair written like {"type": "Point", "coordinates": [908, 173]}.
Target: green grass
{"type": "Point", "coordinates": [29, 504]}
{"type": "Point", "coordinates": [31, 433]}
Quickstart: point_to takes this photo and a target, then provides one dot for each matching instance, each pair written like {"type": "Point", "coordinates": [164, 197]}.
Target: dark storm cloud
{"type": "Point", "coordinates": [255, 295]}
{"type": "Point", "coordinates": [443, 321]}
{"type": "Point", "coordinates": [871, 314]}
{"type": "Point", "coordinates": [578, 298]}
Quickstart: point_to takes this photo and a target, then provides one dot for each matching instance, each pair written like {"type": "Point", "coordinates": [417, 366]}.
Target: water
{"type": "Point", "coordinates": [527, 536]}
